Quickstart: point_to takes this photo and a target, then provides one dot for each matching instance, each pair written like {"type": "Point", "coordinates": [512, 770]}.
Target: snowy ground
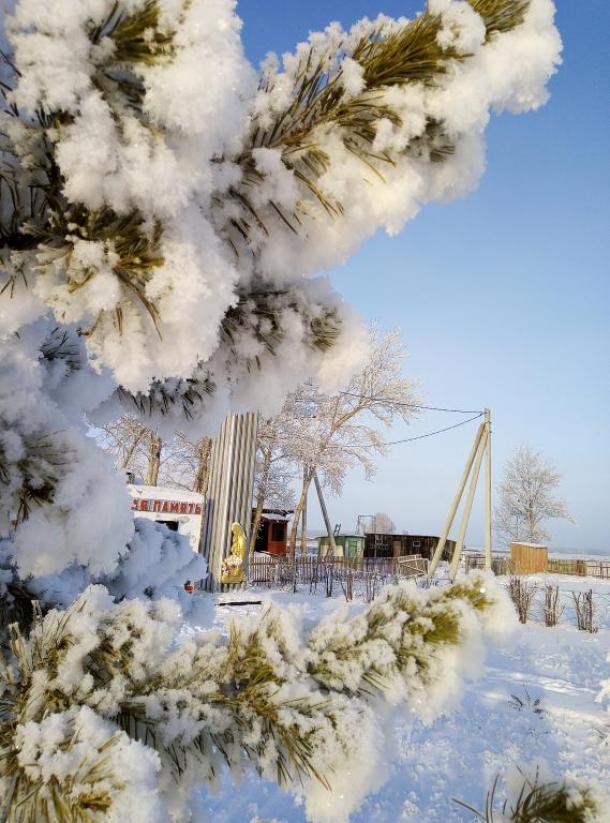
{"type": "Point", "coordinates": [460, 754]}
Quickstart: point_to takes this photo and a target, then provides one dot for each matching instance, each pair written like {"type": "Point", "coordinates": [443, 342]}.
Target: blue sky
{"type": "Point", "coordinates": [502, 298]}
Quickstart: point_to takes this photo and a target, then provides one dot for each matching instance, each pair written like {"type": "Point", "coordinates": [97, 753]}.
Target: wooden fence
{"type": "Point", "coordinates": [501, 564]}
{"type": "Point", "coordinates": [580, 568]}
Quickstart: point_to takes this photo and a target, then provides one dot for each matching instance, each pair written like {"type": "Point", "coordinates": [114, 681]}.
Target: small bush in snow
{"type": "Point", "coordinates": [534, 705]}
{"type": "Point", "coordinates": [585, 611]}
{"type": "Point", "coordinates": [534, 799]}
{"type": "Point", "coordinates": [522, 595]}
{"type": "Point", "coordinates": [553, 609]}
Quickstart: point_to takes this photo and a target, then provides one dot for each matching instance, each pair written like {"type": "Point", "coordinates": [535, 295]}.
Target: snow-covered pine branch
{"type": "Point", "coordinates": [269, 698]}
{"type": "Point", "coordinates": [107, 111]}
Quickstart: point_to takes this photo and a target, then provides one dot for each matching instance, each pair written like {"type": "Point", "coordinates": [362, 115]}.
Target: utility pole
{"type": "Point", "coordinates": [480, 448]}
{"type": "Point", "coordinates": [304, 519]}
{"type": "Point", "coordinates": [459, 544]}
{"type": "Point", "coordinates": [329, 531]}
{"type": "Point", "coordinates": [488, 493]}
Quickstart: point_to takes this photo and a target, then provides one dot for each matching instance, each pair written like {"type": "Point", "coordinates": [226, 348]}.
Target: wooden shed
{"type": "Point", "coordinates": [528, 558]}
{"type": "Point", "coordinates": [400, 545]}
{"type": "Point", "coordinates": [350, 546]}
{"type": "Point", "coordinates": [272, 535]}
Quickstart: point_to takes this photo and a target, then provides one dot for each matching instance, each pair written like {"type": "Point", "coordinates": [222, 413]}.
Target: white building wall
{"type": "Point", "coordinates": [174, 505]}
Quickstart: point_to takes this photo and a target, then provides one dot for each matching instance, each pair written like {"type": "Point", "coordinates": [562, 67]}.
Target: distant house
{"type": "Point", "coordinates": [399, 545]}
{"type": "Point", "coordinates": [348, 545]}
{"type": "Point", "coordinates": [272, 535]}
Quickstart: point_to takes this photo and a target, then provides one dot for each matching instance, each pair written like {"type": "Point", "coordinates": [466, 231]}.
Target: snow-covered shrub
{"type": "Point", "coordinates": [522, 594]}
{"type": "Point", "coordinates": [553, 608]}
{"type": "Point", "coordinates": [266, 698]}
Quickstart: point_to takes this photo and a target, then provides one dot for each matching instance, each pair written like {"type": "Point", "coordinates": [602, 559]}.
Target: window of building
{"type": "Point", "coordinates": [172, 525]}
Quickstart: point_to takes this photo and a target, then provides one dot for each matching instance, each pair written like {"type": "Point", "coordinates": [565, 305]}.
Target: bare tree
{"type": "Point", "coordinates": [155, 444]}
{"type": "Point", "coordinates": [526, 497]}
{"type": "Point", "coordinates": [136, 447]}
{"type": "Point", "coordinates": [383, 523]}
{"type": "Point", "coordinates": [331, 434]}
{"type": "Point", "coordinates": [202, 474]}
{"type": "Point", "coordinates": [273, 472]}
{"type": "Point", "coordinates": [186, 463]}
{"type": "Point", "coordinates": [177, 462]}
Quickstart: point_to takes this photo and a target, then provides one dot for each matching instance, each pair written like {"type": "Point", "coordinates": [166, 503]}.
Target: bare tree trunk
{"type": "Point", "coordinates": [202, 474]}
{"type": "Point", "coordinates": [292, 543]}
{"type": "Point", "coordinates": [260, 498]}
{"type": "Point", "coordinates": [130, 451]}
{"type": "Point", "coordinates": [304, 521]}
{"type": "Point", "coordinates": [154, 459]}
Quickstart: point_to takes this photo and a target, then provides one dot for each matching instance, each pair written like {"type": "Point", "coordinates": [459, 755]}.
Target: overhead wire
{"type": "Point", "coordinates": [411, 405]}
{"type": "Point", "coordinates": [477, 413]}
{"type": "Point", "coordinates": [438, 431]}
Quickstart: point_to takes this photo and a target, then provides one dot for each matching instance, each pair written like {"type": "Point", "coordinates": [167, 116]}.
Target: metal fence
{"type": "Point", "coordinates": [364, 576]}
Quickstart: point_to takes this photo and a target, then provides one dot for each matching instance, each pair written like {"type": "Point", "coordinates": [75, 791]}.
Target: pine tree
{"type": "Point", "coordinates": [160, 238]}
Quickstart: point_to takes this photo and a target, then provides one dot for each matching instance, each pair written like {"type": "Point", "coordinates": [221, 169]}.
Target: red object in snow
{"type": "Point", "coordinates": [188, 587]}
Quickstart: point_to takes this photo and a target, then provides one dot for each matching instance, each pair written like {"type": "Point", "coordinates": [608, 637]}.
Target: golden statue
{"type": "Point", "coordinates": [233, 565]}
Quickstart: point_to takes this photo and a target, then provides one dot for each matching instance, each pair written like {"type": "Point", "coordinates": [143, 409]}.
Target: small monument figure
{"type": "Point", "coordinates": [233, 564]}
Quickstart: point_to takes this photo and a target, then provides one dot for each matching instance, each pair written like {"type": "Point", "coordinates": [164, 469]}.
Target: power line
{"type": "Point", "coordinates": [438, 431]}
{"type": "Point", "coordinates": [478, 412]}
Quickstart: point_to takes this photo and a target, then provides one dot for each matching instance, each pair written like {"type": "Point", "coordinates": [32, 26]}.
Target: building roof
{"type": "Point", "coordinates": [163, 493]}
{"type": "Point", "coordinates": [278, 513]}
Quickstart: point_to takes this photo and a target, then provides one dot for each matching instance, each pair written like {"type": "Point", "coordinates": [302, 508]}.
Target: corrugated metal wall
{"type": "Point", "coordinates": [230, 490]}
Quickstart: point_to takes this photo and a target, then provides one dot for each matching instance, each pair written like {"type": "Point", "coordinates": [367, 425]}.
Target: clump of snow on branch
{"type": "Point", "coordinates": [62, 750]}
{"type": "Point", "coordinates": [154, 564]}
{"type": "Point", "coordinates": [45, 459]}
{"type": "Point", "coordinates": [158, 562]}
{"type": "Point", "coordinates": [461, 99]}
{"type": "Point", "coordinates": [191, 143]}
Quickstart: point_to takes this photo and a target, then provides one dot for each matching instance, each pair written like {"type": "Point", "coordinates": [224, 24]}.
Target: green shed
{"type": "Point", "coordinates": [350, 546]}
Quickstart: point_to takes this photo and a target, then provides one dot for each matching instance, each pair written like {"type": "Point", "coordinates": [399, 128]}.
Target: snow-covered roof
{"type": "Point", "coordinates": [164, 493]}
{"type": "Point", "coordinates": [529, 545]}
